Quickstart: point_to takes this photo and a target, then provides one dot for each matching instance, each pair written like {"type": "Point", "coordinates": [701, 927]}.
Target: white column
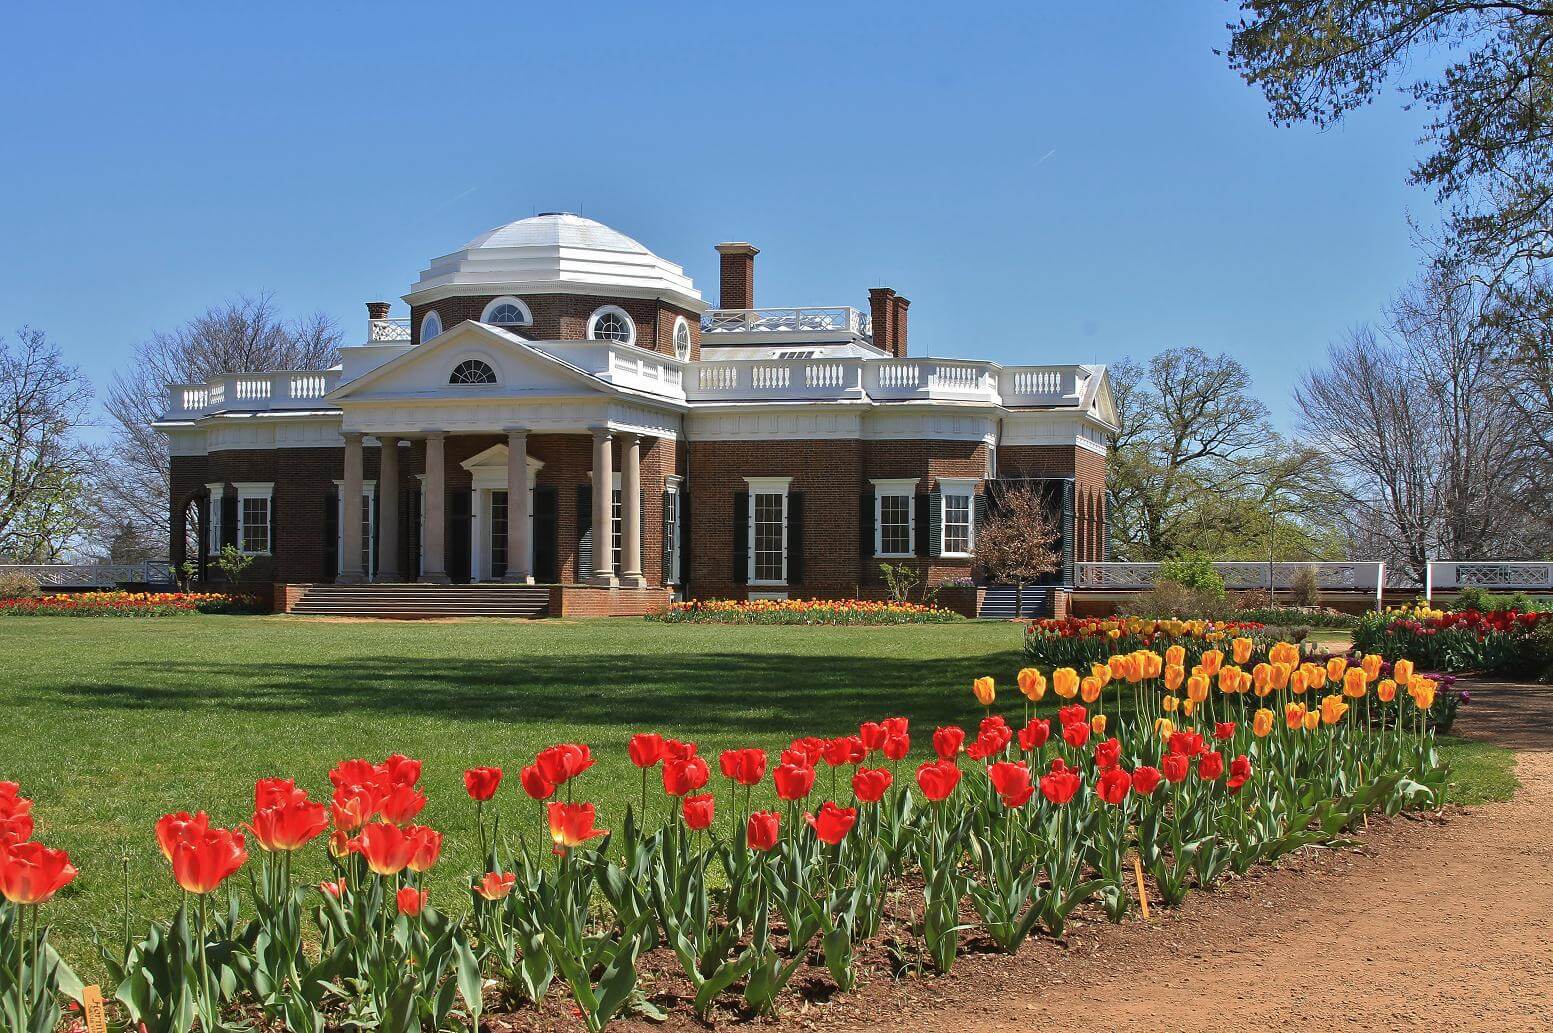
{"type": "Point", "coordinates": [434, 529]}
{"type": "Point", "coordinates": [631, 511]}
{"type": "Point", "coordinates": [603, 497]}
{"type": "Point", "coordinates": [517, 507]}
{"type": "Point", "coordinates": [388, 510]}
{"type": "Point", "coordinates": [350, 572]}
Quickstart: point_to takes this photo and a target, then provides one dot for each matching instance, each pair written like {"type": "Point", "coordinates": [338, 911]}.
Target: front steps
{"type": "Point", "coordinates": [998, 602]}
{"type": "Point", "coordinates": [421, 602]}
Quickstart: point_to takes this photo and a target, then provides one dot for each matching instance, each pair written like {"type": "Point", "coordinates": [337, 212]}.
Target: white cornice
{"type": "Point", "coordinates": [538, 288]}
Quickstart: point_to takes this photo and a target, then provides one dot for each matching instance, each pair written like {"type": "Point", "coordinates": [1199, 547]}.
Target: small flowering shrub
{"type": "Point", "coordinates": [803, 611]}
{"type": "Point", "coordinates": [1199, 764]}
{"type": "Point", "coordinates": [127, 604]}
{"type": "Point", "coordinates": [1080, 641]}
{"type": "Point", "coordinates": [1496, 642]}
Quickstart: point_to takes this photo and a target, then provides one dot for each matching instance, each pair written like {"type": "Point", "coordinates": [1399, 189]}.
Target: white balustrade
{"type": "Point", "coordinates": [92, 575]}
{"type": "Point", "coordinates": [770, 377]}
{"type": "Point", "coordinates": [1367, 576]}
{"type": "Point", "coordinates": [1494, 575]}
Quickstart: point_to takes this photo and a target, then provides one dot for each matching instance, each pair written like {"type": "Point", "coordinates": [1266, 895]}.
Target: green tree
{"type": "Point", "coordinates": [43, 402]}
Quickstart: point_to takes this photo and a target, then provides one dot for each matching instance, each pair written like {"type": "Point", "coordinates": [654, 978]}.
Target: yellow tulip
{"type": "Point", "coordinates": [1188, 706]}
{"type": "Point", "coordinates": [1065, 682]}
{"type": "Point", "coordinates": [1297, 682]}
{"type": "Point", "coordinates": [1371, 665]}
{"type": "Point", "coordinates": [1241, 649]}
{"type": "Point", "coordinates": [1163, 727]}
{"type": "Point", "coordinates": [1089, 690]}
{"type": "Point", "coordinates": [1175, 674]}
{"type": "Point", "coordinates": [1261, 722]}
{"type": "Point", "coordinates": [1169, 703]}
{"type": "Point", "coordinates": [1197, 688]}
{"type": "Point", "coordinates": [1211, 661]}
{"type": "Point", "coordinates": [1097, 724]}
{"type": "Point", "coordinates": [1312, 720]}
{"type": "Point", "coordinates": [1402, 671]}
{"type": "Point", "coordinates": [1354, 683]}
{"type": "Point", "coordinates": [1386, 690]}
{"type": "Point", "coordinates": [1100, 673]}
{"type": "Point", "coordinates": [985, 691]}
{"type": "Point", "coordinates": [1294, 715]}
{"type": "Point", "coordinates": [1335, 668]}
{"type": "Point", "coordinates": [1117, 665]}
{"type": "Point", "coordinates": [1422, 691]}
{"type": "Point", "coordinates": [1032, 683]}
{"type": "Point", "coordinates": [1333, 708]}
{"type": "Point", "coordinates": [1175, 656]}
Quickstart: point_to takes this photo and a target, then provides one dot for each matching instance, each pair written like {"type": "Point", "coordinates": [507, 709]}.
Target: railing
{"type": "Point", "coordinates": [885, 379]}
{"type": "Point", "coordinates": [92, 575]}
{"type": "Point", "coordinates": [251, 391]}
{"type": "Point", "coordinates": [394, 329]}
{"type": "Point", "coordinates": [1367, 576]}
{"type": "Point", "coordinates": [1497, 575]}
{"type": "Point", "coordinates": [839, 319]}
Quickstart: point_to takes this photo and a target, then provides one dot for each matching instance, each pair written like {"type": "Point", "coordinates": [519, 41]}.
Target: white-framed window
{"type": "Point", "coordinates": [472, 371]}
{"type": "Point", "coordinates": [431, 326]}
{"type": "Point", "coordinates": [213, 525]}
{"type": "Point", "coordinates": [681, 338]}
{"type": "Point", "coordinates": [368, 527]}
{"type": "Point", "coordinates": [959, 516]}
{"type": "Point", "coordinates": [254, 502]}
{"type": "Point", "coordinates": [768, 530]}
{"type": "Point", "coordinates": [615, 538]}
{"type": "Point", "coordinates": [895, 519]}
{"type": "Point", "coordinates": [507, 311]}
{"type": "Point", "coordinates": [671, 526]}
{"type": "Point", "coordinates": [611, 323]}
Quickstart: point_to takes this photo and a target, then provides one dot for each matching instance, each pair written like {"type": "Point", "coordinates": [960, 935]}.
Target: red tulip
{"type": "Point", "coordinates": [353, 806]}
{"type": "Point", "coordinates": [203, 861]}
{"type": "Point", "coordinates": [1011, 780]}
{"type": "Point", "coordinates": [535, 784]}
{"type": "Point", "coordinates": [809, 748]}
{"type": "Point", "coordinates": [1113, 785]}
{"type": "Point", "coordinates": [895, 727]}
{"type": "Point", "coordinates": [400, 770]}
{"type": "Point", "coordinates": [1060, 786]}
{"type": "Point", "coordinates": [832, 823]}
{"type": "Point", "coordinates": [1188, 744]}
{"type": "Point", "coordinates": [793, 782]}
{"type": "Point", "coordinates": [428, 847]}
{"type": "Point", "coordinates": [172, 829]}
{"type": "Point", "coordinates": [1239, 773]}
{"type": "Point", "coordinates": [1034, 735]}
{"type": "Point", "coordinates": [897, 746]}
{"type": "Point", "coordinates": [1176, 766]}
{"type": "Point", "coordinates": [495, 886]}
{"type": "Point", "coordinates": [872, 735]}
{"type": "Point", "coordinates": [1210, 765]}
{"type": "Point", "coordinates": [869, 784]}
{"type": "Point", "coordinates": [760, 832]}
{"type": "Point", "coordinates": [481, 783]}
{"type": "Point", "coordinates": [1075, 735]}
{"type": "Point", "coordinates": [645, 749]}
{"type": "Point", "coordinates": [352, 773]}
{"type": "Point", "coordinates": [846, 749]}
{"type": "Point", "coordinates": [947, 742]}
{"type": "Point", "coordinates": [1223, 730]}
{"type": "Point", "coordinates": [289, 826]}
{"type": "Point", "coordinates": [335, 889]}
{"type": "Point", "coordinates": [402, 803]}
{"type": "Point", "coordinates": [410, 901]}
{"type": "Point", "coordinates": [673, 749]}
{"type": "Point", "coordinates": [1073, 714]}
{"type": "Point", "coordinates": [1145, 780]}
{"type": "Point", "coordinates": [564, 761]}
{"type": "Point", "coordinates": [746, 767]}
{"type": "Point", "coordinates": [31, 873]}
{"type": "Point", "coordinates": [698, 811]}
{"type": "Point", "coordinates": [571, 825]}
{"type": "Point", "coordinates": [272, 792]}
{"type": "Point", "coordinates": [1108, 754]}
{"type": "Point", "coordinates": [937, 779]}
{"type": "Point", "coordinates": [685, 776]}
{"type": "Point", "coordinates": [387, 848]}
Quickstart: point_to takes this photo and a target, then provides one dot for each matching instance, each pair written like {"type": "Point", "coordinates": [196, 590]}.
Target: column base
{"type": "Point", "coordinates": [350, 579]}
{"type": "Point", "coordinates": [518, 579]}
{"type": "Point", "coordinates": [633, 581]}
{"type": "Point", "coordinates": [430, 578]}
{"type": "Point", "coordinates": [603, 581]}
{"type": "Point", "coordinates": [387, 577]}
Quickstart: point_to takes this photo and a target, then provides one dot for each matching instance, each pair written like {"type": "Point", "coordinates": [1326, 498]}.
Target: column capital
{"type": "Point", "coordinates": [353, 437]}
{"type": "Point", "coordinates": [601, 432]}
{"type": "Point", "coordinates": [439, 434]}
{"type": "Point", "coordinates": [510, 431]}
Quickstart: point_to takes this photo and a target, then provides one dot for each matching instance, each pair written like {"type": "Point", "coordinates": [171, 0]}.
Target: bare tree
{"type": "Point", "coordinates": [246, 334]}
{"type": "Point", "coordinates": [1017, 544]}
{"type": "Point", "coordinates": [43, 403]}
{"type": "Point", "coordinates": [1412, 415]}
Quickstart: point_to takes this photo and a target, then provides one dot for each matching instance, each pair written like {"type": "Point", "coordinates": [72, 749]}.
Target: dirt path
{"type": "Point", "coordinates": [1439, 926]}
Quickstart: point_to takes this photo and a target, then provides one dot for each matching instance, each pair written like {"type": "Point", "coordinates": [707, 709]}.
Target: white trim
{"type": "Point", "coordinates": [959, 487]}
{"type": "Point", "coordinates": [368, 496]}
{"type": "Point", "coordinates": [674, 485]}
{"type": "Point", "coordinates": [256, 490]}
{"type": "Point", "coordinates": [212, 543]}
{"type": "Point", "coordinates": [766, 486]}
{"type": "Point", "coordinates": [611, 310]}
{"type": "Point", "coordinates": [680, 323]}
{"type": "Point", "coordinates": [426, 320]}
{"type": "Point", "coordinates": [507, 299]}
{"type": "Point", "coordinates": [895, 487]}
{"type": "Point", "coordinates": [777, 597]}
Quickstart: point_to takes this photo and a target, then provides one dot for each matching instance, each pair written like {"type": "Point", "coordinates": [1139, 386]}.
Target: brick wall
{"type": "Point", "coordinates": [564, 317]}
{"type": "Point", "coordinates": [1088, 472]}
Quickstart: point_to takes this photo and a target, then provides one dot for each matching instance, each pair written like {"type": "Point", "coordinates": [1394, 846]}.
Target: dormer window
{"type": "Point", "coordinates": [507, 312]}
{"type": "Point", "coordinates": [681, 338]}
{"type": "Point", "coordinates": [431, 326]}
{"type": "Point", "coordinates": [472, 371]}
{"type": "Point", "coordinates": [611, 323]}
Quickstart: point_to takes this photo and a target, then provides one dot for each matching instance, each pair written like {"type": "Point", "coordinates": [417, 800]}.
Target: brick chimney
{"type": "Point", "coordinates": [901, 304]}
{"type": "Point", "coordinates": [881, 307]}
{"type": "Point", "coordinates": [737, 274]}
{"type": "Point", "coordinates": [377, 309]}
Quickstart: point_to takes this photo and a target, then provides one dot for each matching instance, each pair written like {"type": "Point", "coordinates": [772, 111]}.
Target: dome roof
{"type": "Point", "coordinates": [555, 253]}
{"type": "Point", "coordinates": [557, 229]}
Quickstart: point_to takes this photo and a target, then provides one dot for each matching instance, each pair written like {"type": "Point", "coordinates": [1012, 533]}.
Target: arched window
{"type": "Point", "coordinates": [610, 323]}
{"type": "Point", "coordinates": [681, 338]}
{"type": "Point", "coordinates": [507, 312]}
{"type": "Point", "coordinates": [431, 326]}
{"type": "Point", "coordinates": [472, 371]}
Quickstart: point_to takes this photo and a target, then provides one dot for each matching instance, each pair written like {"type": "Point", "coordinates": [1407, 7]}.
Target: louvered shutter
{"type": "Point", "coordinates": [331, 563]}
{"type": "Point", "coordinates": [936, 524]}
{"type": "Point", "coordinates": [866, 511]}
{"type": "Point", "coordinates": [1067, 532]}
{"type": "Point", "coordinates": [741, 537]}
{"type": "Point", "coordinates": [684, 537]}
{"type": "Point", "coordinates": [410, 527]}
{"type": "Point", "coordinates": [979, 502]}
{"type": "Point", "coordinates": [923, 546]}
{"type": "Point", "coordinates": [545, 535]}
{"type": "Point", "coordinates": [584, 532]}
{"type": "Point", "coordinates": [228, 520]}
{"type": "Point", "coordinates": [795, 538]}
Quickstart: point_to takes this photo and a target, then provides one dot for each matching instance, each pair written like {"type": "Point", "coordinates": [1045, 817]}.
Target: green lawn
{"type": "Point", "coordinates": [111, 722]}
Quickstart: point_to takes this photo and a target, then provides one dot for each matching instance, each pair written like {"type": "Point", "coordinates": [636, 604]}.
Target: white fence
{"type": "Point", "coordinates": [1495, 575]}
{"type": "Point", "coordinates": [1365, 576]}
{"type": "Point", "coordinates": [92, 575]}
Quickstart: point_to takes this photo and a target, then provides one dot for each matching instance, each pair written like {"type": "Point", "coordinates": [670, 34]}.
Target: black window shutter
{"type": "Point", "coordinates": [795, 538]}
{"type": "Point", "coordinates": [684, 537]}
{"type": "Point", "coordinates": [228, 519]}
{"type": "Point", "coordinates": [331, 564]}
{"type": "Point", "coordinates": [584, 532]}
{"type": "Point", "coordinates": [1067, 532]}
{"type": "Point", "coordinates": [545, 535]}
{"type": "Point", "coordinates": [979, 503]}
{"type": "Point", "coordinates": [410, 533]}
{"type": "Point", "coordinates": [741, 537]}
{"type": "Point", "coordinates": [924, 542]}
{"type": "Point", "coordinates": [274, 538]}
{"type": "Point", "coordinates": [865, 526]}
{"type": "Point", "coordinates": [935, 524]}
{"type": "Point", "coordinates": [667, 558]}
{"type": "Point", "coordinates": [377, 518]}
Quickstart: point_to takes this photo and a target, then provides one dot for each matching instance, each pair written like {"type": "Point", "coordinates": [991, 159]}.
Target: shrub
{"type": "Point", "coordinates": [1304, 590]}
{"type": "Point", "coordinates": [1484, 601]}
{"type": "Point", "coordinates": [16, 585]}
{"type": "Point", "coordinates": [1192, 571]}
{"type": "Point", "coordinates": [1172, 599]}
{"type": "Point", "coordinates": [1296, 616]}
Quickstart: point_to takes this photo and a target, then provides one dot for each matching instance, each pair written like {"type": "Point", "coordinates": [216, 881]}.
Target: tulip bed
{"type": "Point", "coordinates": [1081, 641]}
{"type": "Point", "coordinates": [803, 611]}
{"type": "Point", "coordinates": [1196, 761]}
{"type": "Point", "coordinates": [123, 604]}
{"type": "Point", "coordinates": [1497, 642]}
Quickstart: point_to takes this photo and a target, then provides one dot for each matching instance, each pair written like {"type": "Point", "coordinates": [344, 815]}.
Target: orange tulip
{"type": "Point", "coordinates": [1333, 708]}
{"type": "Point", "coordinates": [1422, 690]}
{"type": "Point", "coordinates": [1197, 688]}
{"type": "Point", "coordinates": [1097, 724]}
{"type": "Point", "coordinates": [1100, 673]}
{"type": "Point", "coordinates": [1175, 656]}
{"type": "Point", "coordinates": [1312, 720]}
{"type": "Point", "coordinates": [1370, 665]}
{"type": "Point", "coordinates": [1065, 682]}
{"type": "Point", "coordinates": [1402, 671]}
{"type": "Point", "coordinates": [1386, 690]}
{"type": "Point", "coordinates": [1032, 683]}
{"type": "Point", "coordinates": [1169, 704]}
{"type": "Point", "coordinates": [1294, 715]}
{"type": "Point", "coordinates": [1089, 689]}
{"type": "Point", "coordinates": [985, 690]}
{"type": "Point", "coordinates": [1211, 660]}
{"type": "Point", "coordinates": [1262, 722]}
{"type": "Point", "coordinates": [1241, 649]}
{"type": "Point", "coordinates": [1163, 727]}
{"type": "Point", "coordinates": [1297, 683]}
{"type": "Point", "coordinates": [1335, 668]}
{"type": "Point", "coordinates": [1354, 683]}
{"type": "Point", "coordinates": [1175, 674]}
{"type": "Point", "coordinates": [571, 824]}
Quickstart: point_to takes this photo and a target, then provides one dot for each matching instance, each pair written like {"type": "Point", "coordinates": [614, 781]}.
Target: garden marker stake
{"type": "Point", "coordinates": [1143, 894]}
{"type": "Point", "coordinates": [91, 1007]}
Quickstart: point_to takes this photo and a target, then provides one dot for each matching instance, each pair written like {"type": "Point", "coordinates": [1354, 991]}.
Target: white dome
{"type": "Point", "coordinates": [555, 253]}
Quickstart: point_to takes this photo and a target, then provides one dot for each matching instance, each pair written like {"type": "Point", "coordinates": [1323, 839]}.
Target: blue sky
{"type": "Point", "coordinates": [1071, 184]}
